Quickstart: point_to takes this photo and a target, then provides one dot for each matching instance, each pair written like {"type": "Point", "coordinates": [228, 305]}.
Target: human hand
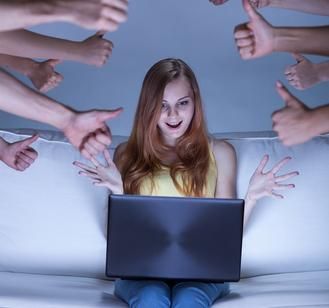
{"type": "Point", "coordinates": [43, 75]}
{"type": "Point", "coordinates": [106, 175]}
{"type": "Point", "coordinates": [303, 74]}
{"type": "Point", "coordinates": [88, 131]}
{"type": "Point", "coordinates": [104, 15]}
{"type": "Point", "coordinates": [218, 2]}
{"type": "Point", "coordinates": [18, 155]}
{"type": "Point", "coordinates": [255, 38]}
{"type": "Point", "coordinates": [95, 50]}
{"type": "Point", "coordinates": [293, 122]}
{"type": "Point", "coordinates": [257, 4]}
{"type": "Point", "coordinates": [264, 184]}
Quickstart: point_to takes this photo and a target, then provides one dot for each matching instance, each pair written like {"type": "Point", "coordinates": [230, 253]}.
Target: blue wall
{"type": "Point", "coordinates": [238, 95]}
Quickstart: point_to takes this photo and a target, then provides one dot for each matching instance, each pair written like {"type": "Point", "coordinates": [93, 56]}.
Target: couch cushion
{"type": "Point", "coordinates": [291, 234]}
{"type": "Point", "coordinates": [54, 222]}
{"type": "Point", "coordinates": [292, 290]}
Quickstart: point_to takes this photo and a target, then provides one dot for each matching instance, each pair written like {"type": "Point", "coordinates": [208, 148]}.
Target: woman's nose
{"type": "Point", "coordinates": [172, 112]}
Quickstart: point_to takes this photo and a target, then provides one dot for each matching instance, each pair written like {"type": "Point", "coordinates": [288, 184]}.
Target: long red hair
{"type": "Point", "coordinates": [145, 152]}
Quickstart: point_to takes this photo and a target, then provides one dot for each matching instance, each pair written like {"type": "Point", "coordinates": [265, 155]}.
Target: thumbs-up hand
{"type": "Point", "coordinates": [88, 131]}
{"type": "Point", "coordinates": [18, 155]}
{"type": "Point", "coordinates": [304, 74]}
{"type": "Point", "coordinates": [255, 38]}
{"type": "Point", "coordinates": [293, 122]}
{"type": "Point", "coordinates": [43, 75]}
{"type": "Point", "coordinates": [95, 50]}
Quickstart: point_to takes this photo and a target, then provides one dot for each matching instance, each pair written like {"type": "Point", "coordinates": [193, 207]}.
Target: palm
{"type": "Point", "coordinates": [264, 184]}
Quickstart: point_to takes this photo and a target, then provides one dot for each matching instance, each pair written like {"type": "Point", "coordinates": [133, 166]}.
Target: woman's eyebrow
{"type": "Point", "coordinates": [184, 97]}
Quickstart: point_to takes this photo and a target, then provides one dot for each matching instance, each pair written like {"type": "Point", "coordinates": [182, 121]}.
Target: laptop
{"type": "Point", "coordinates": [174, 238]}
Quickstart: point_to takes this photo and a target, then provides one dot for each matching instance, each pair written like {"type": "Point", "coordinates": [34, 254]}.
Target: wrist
{"type": "Point", "coordinates": [318, 120]}
{"type": "Point", "coordinates": [29, 67]}
{"type": "Point", "coordinates": [323, 71]}
{"type": "Point", "coordinates": [3, 145]}
{"type": "Point", "coordinates": [250, 200]}
{"type": "Point", "coordinates": [62, 117]}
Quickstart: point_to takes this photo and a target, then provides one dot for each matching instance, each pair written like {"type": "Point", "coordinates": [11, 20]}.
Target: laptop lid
{"type": "Point", "coordinates": [174, 238]}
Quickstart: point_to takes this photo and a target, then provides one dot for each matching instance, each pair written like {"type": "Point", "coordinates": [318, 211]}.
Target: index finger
{"type": "Point", "coordinates": [95, 162]}
{"type": "Point", "coordinates": [279, 165]}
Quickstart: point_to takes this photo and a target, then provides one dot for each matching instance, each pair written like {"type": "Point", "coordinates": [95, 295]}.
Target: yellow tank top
{"type": "Point", "coordinates": [163, 184]}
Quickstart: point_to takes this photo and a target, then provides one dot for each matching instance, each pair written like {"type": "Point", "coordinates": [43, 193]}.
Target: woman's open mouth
{"type": "Point", "coordinates": [174, 125]}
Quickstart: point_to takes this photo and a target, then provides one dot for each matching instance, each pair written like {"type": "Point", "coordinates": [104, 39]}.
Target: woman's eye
{"type": "Point", "coordinates": [183, 103]}
{"type": "Point", "coordinates": [164, 107]}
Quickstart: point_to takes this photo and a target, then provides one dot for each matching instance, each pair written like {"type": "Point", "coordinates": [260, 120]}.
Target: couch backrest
{"type": "Point", "coordinates": [53, 221]}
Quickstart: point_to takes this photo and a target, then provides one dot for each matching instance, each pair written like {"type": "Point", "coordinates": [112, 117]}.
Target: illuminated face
{"type": "Point", "coordinates": [177, 110]}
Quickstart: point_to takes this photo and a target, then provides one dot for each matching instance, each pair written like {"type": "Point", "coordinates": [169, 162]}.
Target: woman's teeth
{"type": "Point", "coordinates": [174, 125]}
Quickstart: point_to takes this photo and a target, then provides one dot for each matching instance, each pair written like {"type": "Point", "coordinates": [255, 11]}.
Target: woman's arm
{"type": "Point", "coordinates": [226, 169]}
{"type": "Point", "coordinates": [261, 184]}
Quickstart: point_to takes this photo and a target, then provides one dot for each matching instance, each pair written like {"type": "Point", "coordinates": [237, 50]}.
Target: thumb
{"type": "Point", "coordinates": [25, 143]}
{"type": "Point", "coordinates": [298, 57]}
{"type": "Point", "coordinates": [100, 33]}
{"type": "Point", "coordinates": [250, 10]}
{"type": "Point", "coordinates": [288, 98]}
{"type": "Point", "coordinates": [110, 114]}
{"type": "Point", "coordinates": [54, 62]}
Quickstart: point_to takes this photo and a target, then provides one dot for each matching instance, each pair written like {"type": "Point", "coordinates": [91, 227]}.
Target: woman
{"type": "Point", "coordinates": [169, 153]}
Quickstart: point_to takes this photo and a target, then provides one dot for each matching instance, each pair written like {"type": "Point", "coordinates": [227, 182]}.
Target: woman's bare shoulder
{"type": "Point", "coordinates": [223, 150]}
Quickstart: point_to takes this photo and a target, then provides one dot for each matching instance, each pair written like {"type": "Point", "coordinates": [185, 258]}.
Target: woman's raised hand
{"type": "Point", "coordinates": [103, 175]}
{"type": "Point", "coordinates": [264, 184]}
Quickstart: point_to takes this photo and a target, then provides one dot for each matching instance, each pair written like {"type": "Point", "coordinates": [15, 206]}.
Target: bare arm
{"type": "Point", "coordinates": [80, 128]}
{"type": "Point", "coordinates": [319, 7]}
{"type": "Point", "coordinates": [310, 40]}
{"type": "Point", "coordinates": [18, 99]}
{"type": "Point", "coordinates": [103, 15]}
{"type": "Point", "coordinates": [42, 74]}
{"type": "Point", "coordinates": [94, 50]}
{"type": "Point", "coordinates": [226, 181]}
{"type": "Point", "coordinates": [19, 64]}
{"type": "Point", "coordinates": [258, 37]}
{"type": "Point", "coordinates": [226, 169]}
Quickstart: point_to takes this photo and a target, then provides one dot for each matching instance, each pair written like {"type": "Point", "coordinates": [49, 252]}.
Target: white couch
{"type": "Point", "coordinates": [53, 224]}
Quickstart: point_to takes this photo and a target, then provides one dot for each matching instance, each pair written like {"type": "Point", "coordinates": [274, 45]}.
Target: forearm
{"type": "Point", "coordinates": [17, 14]}
{"type": "Point", "coordinates": [19, 64]}
{"type": "Point", "coordinates": [323, 71]}
{"type": "Point", "coordinates": [292, 39]}
{"type": "Point", "coordinates": [23, 43]}
{"type": "Point", "coordinates": [20, 100]}
{"type": "Point", "coordinates": [320, 120]}
{"type": "Point", "coordinates": [248, 208]}
{"type": "Point", "coordinates": [320, 7]}
{"type": "Point", "coordinates": [3, 146]}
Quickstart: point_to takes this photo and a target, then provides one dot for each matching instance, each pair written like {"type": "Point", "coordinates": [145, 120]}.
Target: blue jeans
{"type": "Point", "coordinates": [160, 294]}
